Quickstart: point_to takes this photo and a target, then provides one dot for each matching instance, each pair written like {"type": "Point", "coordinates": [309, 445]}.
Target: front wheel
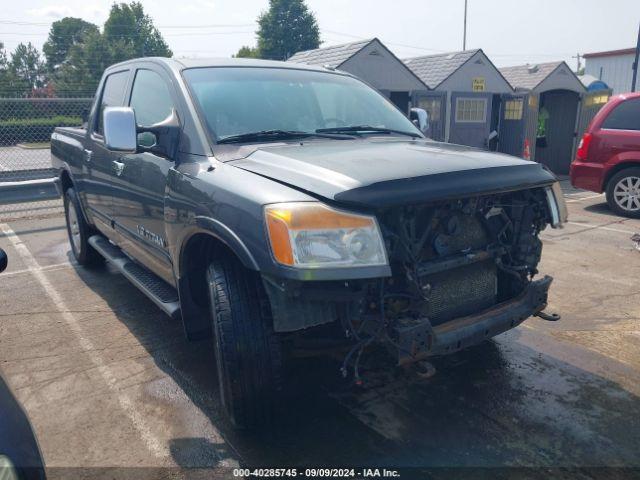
{"type": "Point", "coordinates": [247, 350]}
{"type": "Point", "coordinates": [623, 192]}
{"type": "Point", "coordinates": [79, 232]}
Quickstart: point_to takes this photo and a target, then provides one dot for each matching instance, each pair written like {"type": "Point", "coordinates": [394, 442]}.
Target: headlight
{"type": "Point", "coordinates": [7, 470]}
{"type": "Point", "coordinates": [313, 235]}
{"type": "Point", "coordinates": [557, 205]}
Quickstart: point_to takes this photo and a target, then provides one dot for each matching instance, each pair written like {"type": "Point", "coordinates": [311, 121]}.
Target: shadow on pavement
{"type": "Point", "coordinates": [501, 403]}
{"type": "Point", "coordinates": [602, 209]}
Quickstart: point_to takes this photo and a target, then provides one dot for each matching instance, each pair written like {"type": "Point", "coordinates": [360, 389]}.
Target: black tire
{"type": "Point", "coordinates": [79, 232]}
{"type": "Point", "coordinates": [614, 192]}
{"type": "Point", "coordinates": [248, 352]}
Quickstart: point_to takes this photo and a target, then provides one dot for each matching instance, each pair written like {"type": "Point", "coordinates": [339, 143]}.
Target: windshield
{"type": "Point", "coordinates": [240, 100]}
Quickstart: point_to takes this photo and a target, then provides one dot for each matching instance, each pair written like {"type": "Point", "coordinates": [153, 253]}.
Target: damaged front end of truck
{"type": "Point", "coordinates": [461, 271]}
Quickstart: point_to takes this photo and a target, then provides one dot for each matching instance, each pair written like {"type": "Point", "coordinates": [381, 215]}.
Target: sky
{"type": "Point", "coordinates": [511, 32]}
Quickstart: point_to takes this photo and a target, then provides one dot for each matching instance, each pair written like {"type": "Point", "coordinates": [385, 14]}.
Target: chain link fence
{"type": "Point", "coordinates": [26, 125]}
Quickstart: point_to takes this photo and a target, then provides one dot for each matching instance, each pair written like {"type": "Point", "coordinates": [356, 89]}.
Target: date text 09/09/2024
{"type": "Point", "coordinates": [317, 472]}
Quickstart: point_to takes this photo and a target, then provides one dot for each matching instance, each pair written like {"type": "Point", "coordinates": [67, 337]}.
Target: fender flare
{"type": "Point", "coordinates": [65, 169]}
{"type": "Point", "coordinates": [227, 236]}
{"type": "Point", "coordinates": [195, 322]}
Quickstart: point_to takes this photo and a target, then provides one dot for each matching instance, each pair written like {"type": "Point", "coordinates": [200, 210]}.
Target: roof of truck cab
{"type": "Point", "coordinates": [184, 63]}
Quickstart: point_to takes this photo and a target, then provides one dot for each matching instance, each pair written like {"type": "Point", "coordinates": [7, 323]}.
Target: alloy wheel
{"type": "Point", "coordinates": [74, 227]}
{"type": "Point", "coordinates": [626, 194]}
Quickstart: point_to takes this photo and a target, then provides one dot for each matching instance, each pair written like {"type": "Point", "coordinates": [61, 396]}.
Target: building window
{"type": "Point", "coordinates": [471, 110]}
{"type": "Point", "coordinates": [513, 109]}
{"type": "Point", "coordinates": [596, 100]}
{"type": "Point", "coordinates": [432, 106]}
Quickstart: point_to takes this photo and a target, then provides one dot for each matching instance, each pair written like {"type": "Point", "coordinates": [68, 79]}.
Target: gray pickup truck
{"type": "Point", "coordinates": [254, 200]}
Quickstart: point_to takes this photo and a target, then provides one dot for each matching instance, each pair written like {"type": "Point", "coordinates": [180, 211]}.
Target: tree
{"type": "Point", "coordinates": [80, 73]}
{"type": "Point", "coordinates": [64, 34]}
{"type": "Point", "coordinates": [128, 33]}
{"type": "Point", "coordinates": [286, 28]}
{"type": "Point", "coordinates": [131, 33]}
{"type": "Point", "coordinates": [247, 52]}
{"type": "Point", "coordinates": [8, 81]}
{"type": "Point", "coordinates": [27, 68]}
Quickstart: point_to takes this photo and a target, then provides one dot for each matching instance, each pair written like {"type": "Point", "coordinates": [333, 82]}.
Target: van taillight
{"type": "Point", "coordinates": [583, 147]}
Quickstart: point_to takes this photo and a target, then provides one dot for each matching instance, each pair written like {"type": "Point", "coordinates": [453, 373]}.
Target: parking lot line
{"type": "Point", "coordinates": [571, 199]}
{"type": "Point", "coordinates": [155, 446]}
{"type": "Point", "coordinates": [601, 227]}
{"type": "Point", "coordinates": [56, 266]}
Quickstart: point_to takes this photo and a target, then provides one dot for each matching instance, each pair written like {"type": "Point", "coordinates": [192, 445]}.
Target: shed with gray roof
{"type": "Point", "coordinates": [555, 110]}
{"type": "Point", "coordinates": [543, 77]}
{"type": "Point", "coordinates": [473, 90]}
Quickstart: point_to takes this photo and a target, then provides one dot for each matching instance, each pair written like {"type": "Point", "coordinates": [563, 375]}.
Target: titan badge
{"type": "Point", "coordinates": [152, 237]}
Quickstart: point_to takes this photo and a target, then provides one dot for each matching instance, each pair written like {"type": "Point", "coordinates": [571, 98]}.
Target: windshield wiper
{"type": "Point", "coordinates": [364, 129]}
{"type": "Point", "coordinates": [279, 135]}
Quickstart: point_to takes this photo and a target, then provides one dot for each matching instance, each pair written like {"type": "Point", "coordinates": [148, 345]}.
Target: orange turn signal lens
{"type": "Point", "coordinates": [311, 234]}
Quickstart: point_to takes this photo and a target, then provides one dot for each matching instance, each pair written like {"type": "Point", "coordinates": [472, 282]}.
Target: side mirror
{"type": "Point", "coordinates": [3, 260]}
{"type": "Point", "coordinates": [121, 133]}
{"type": "Point", "coordinates": [120, 129]}
{"type": "Point", "coordinates": [420, 118]}
{"type": "Point", "coordinates": [166, 134]}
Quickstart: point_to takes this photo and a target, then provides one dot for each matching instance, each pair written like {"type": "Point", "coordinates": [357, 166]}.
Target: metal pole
{"type": "Point", "coordinates": [635, 63]}
{"type": "Point", "coordinates": [464, 37]}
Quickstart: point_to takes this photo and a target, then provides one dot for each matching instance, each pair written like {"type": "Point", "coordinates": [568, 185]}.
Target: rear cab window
{"type": "Point", "coordinates": [625, 116]}
{"type": "Point", "coordinates": [113, 92]}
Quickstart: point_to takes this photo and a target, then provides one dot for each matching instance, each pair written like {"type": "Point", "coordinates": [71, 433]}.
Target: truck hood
{"type": "Point", "coordinates": [379, 173]}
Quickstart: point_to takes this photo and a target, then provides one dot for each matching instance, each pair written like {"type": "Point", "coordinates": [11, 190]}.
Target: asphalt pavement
{"type": "Point", "coordinates": [108, 381]}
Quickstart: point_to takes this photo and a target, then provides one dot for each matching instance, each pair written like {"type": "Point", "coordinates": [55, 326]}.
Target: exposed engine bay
{"type": "Point", "coordinates": [462, 271]}
{"type": "Point", "coordinates": [457, 258]}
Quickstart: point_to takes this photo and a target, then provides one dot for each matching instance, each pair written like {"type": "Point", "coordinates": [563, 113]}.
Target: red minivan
{"type": "Point", "coordinates": [608, 156]}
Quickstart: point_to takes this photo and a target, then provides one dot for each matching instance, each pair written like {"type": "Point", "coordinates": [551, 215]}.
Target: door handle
{"type": "Point", "coordinates": [118, 167]}
{"type": "Point", "coordinates": [87, 155]}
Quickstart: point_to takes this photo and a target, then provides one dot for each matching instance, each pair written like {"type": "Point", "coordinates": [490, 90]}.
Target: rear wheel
{"type": "Point", "coordinates": [79, 232]}
{"type": "Point", "coordinates": [623, 192]}
{"type": "Point", "coordinates": [247, 350]}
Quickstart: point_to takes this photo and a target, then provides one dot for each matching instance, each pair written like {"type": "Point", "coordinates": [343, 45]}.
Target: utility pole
{"type": "Point", "coordinates": [464, 36]}
{"type": "Point", "coordinates": [635, 63]}
{"type": "Point", "coordinates": [578, 57]}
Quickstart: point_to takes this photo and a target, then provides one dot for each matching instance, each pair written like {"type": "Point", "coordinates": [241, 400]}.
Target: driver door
{"type": "Point", "coordinates": [138, 205]}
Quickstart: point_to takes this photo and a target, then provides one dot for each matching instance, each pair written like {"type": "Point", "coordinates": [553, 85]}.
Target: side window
{"type": "Point", "coordinates": [151, 101]}
{"type": "Point", "coordinates": [625, 116]}
{"type": "Point", "coordinates": [471, 110]}
{"type": "Point", "coordinates": [513, 109]}
{"type": "Point", "coordinates": [112, 95]}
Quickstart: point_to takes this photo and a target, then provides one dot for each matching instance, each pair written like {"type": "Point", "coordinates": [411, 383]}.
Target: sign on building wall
{"type": "Point", "coordinates": [478, 84]}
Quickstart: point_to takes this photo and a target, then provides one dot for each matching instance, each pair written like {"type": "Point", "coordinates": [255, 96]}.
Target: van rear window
{"type": "Point", "coordinates": [626, 116]}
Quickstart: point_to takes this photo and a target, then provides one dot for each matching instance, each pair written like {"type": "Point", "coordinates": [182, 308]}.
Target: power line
{"type": "Point", "coordinates": [219, 25]}
{"type": "Point", "coordinates": [183, 34]}
{"type": "Point", "coordinates": [358, 37]}
{"type": "Point", "coordinates": [244, 32]}
{"type": "Point", "coordinates": [415, 47]}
